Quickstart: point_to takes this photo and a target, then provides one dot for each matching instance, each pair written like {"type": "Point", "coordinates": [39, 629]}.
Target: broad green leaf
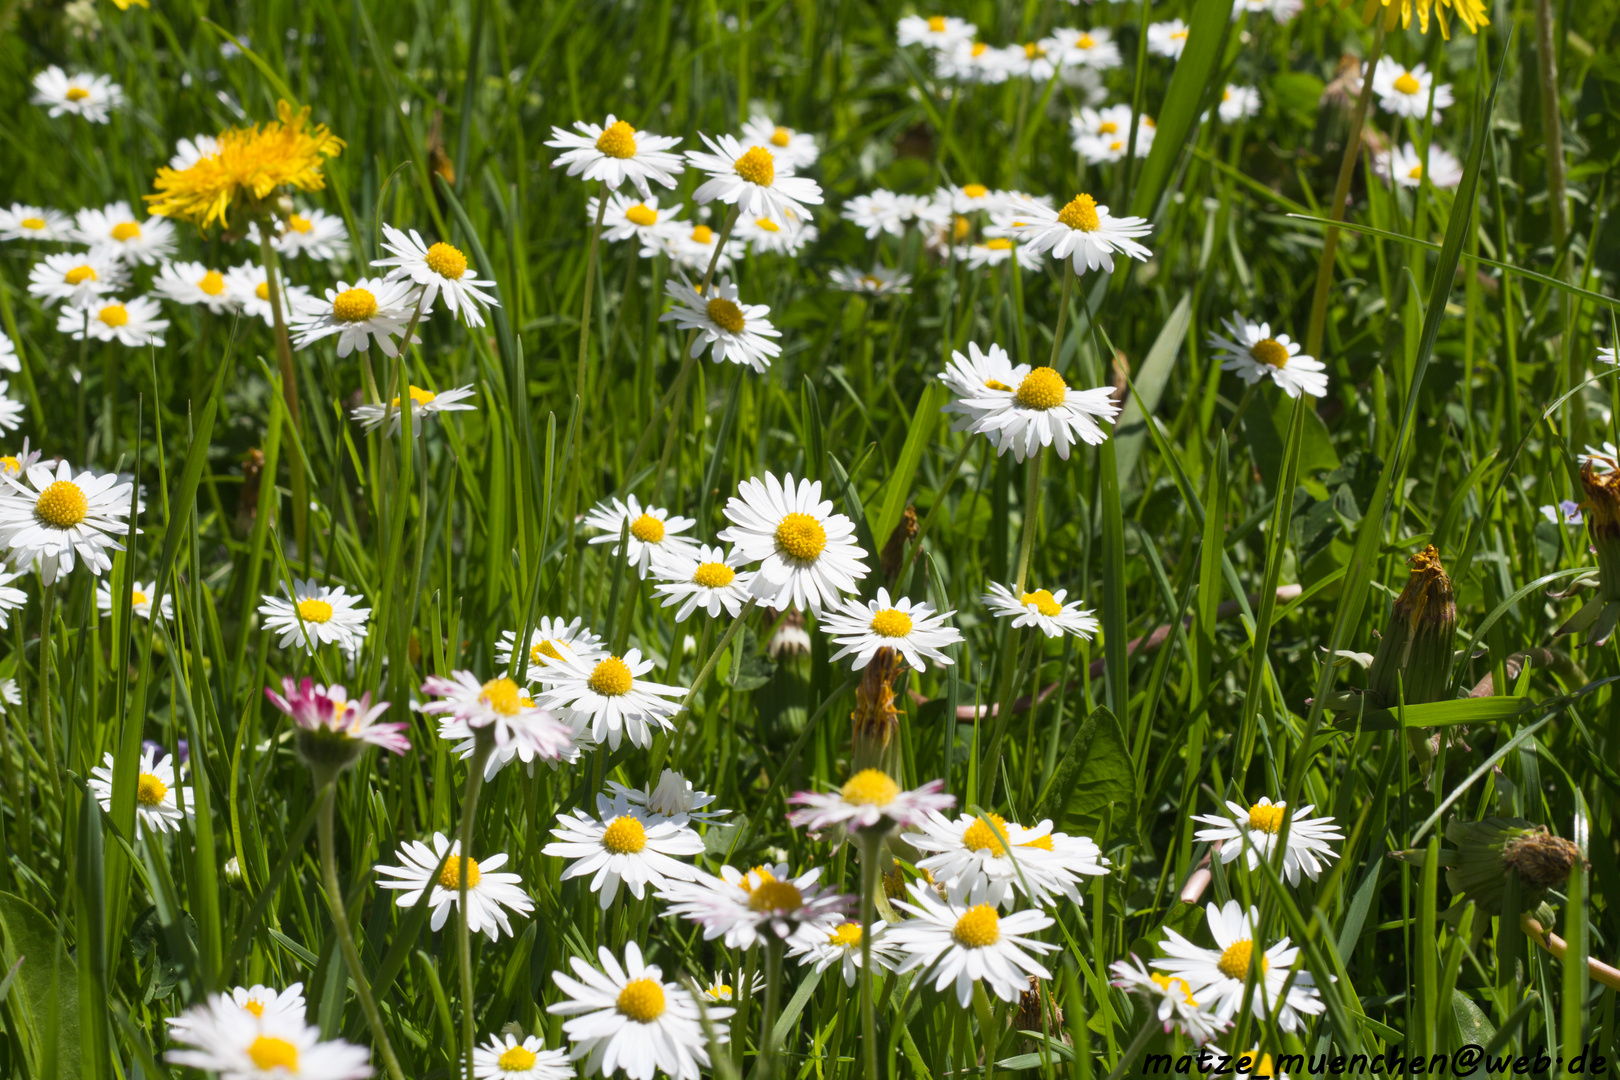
{"type": "Point", "coordinates": [47, 983]}
{"type": "Point", "coordinates": [1094, 773]}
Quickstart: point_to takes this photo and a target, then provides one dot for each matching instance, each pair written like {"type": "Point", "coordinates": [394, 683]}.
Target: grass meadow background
{"type": "Point", "coordinates": [1461, 340]}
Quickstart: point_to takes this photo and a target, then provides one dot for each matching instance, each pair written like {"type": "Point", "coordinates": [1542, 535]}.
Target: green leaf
{"type": "Point", "coordinates": [1484, 710]}
{"type": "Point", "coordinates": [1267, 430]}
{"type": "Point", "coordinates": [1095, 772]}
{"type": "Point", "coordinates": [47, 984]}
{"type": "Point", "coordinates": [918, 436]}
{"type": "Point", "coordinates": [1148, 386]}
{"type": "Point", "coordinates": [1197, 69]}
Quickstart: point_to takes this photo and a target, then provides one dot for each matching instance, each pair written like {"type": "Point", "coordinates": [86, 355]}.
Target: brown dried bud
{"type": "Point", "coordinates": [1029, 1018]}
{"type": "Point", "coordinates": [1600, 478]}
{"type": "Point", "coordinates": [1414, 656]}
{"type": "Point", "coordinates": [1542, 859]}
{"type": "Point", "coordinates": [247, 496]}
{"type": "Point", "coordinates": [875, 719]}
{"type": "Point", "coordinates": [895, 549]}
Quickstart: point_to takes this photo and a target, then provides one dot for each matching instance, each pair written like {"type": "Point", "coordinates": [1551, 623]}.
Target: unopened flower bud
{"type": "Point", "coordinates": [876, 721]}
{"type": "Point", "coordinates": [1413, 662]}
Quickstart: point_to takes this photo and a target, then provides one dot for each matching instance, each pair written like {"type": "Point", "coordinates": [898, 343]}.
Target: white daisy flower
{"type": "Point", "coordinates": [878, 281]}
{"type": "Point", "coordinates": [140, 599]}
{"type": "Point", "coordinates": [735, 332]}
{"type": "Point", "coordinates": [1608, 356]}
{"type": "Point", "coordinates": [16, 464]}
{"type": "Point", "coordinates": [970, 377]}
{"type": "Point", "coordinates": [321, 236]}
{"type": "Point", "coordinates": [1249, 351]}
{"type": "Point", "coordinates": [627, 217]}
{"type": "Point", "coordinates": [692, 245]}
{"type": "Point", "coordinates": [704, 578]}
{"type": "Point", "coordinates": [1238, 103]}
{"type": "Point", "coordinates": [654, 532]}
{"type": "Point", "coordinates": [424, 405]}
{"type": "Point", "coordinates": [841, 945]}
{"type": "Point", "coordinates": [941, 33]}
{"type": "Point", "coordinates": [1041, 608]}
{"type": "Point", "coordinates": [156, 806]}
{"type": "Point", "coordinates": [747, 177]}
{"type": "Point", "coordinates": [807, 553]}
{"type": "Point", "coordinates": [1093, 48]}
{"type": "Point", "coordinates": [316, 615]}
{"type": "Point", "coordinates": [334, 728]}
{"type": "Point", "coordinates": [1042, 411]}
{"type": "Point", "coordinates": [113, 230]}
{"type": "Point", "coordinates": [265, 1003]}
{"type": "Point", "coordinates": [133, 323]}
{"type": "Point", "coordinates": [623, 843]}
{"type": "Point", "coordinates": [720, 990]}
{"type": "Point", "coordinates": [673, 797]}
{"type": "Point", "coordinates": [1217, 975]}
{"type": "Point", "coordinates": [1171, 999]}
{"type": "Point", "coordinates": [546, 639]}
{"type": "Point", "coordinates": [502, 706]}
{"type": "Point", "coordinates": [615, 152]}
{"type": "Point", "coordinates": [771, 237]}
{"type": "Point", "coordinates": [371, 308]}
{"type": "Point", "coordinates": [489, 894]}
{"type": "Point", "coordinates": [1103, 135]}
{"type": "Point", "coordinates": [194, 283]}
{"type": "Point", "coordinates": [441, 270]}
{"type": "Point", "coordinates": [793, 149]}
{"type": "Point", "coordinates": [93, 97]}
{"type": "Point", "coordinates": [187, 152]}
{"type": "Point", "coordinates": [227, 1039]}
{"type": "Point", "coordinates": [607, 699]}
{"type": "Point", "coordinates": [1167, 38]}
{"type": "Point", "coordinates": [870, 799]}
{"type": "Point", "coordinates": [37, 223]}
{"type": "Point", "coordinates": [747, 909]}
{"type": "Point", "coordinates": [1404, 165]}
{"type": "Point", "coordinates": [11, 410]}
{"type": "Point", "coordinates": [1282, 11]}
{"type": "Point", "coordinates": [987, 859]}
{"type": "Point", "coordinates": [1034, 60]}
{"type": "Point", "coordinates": [965, 945]}
{"type": "Point", "coordinates": [997, 251]}
{"type": "Point", "coordinates": [77, 277]}
{"type": "Point", "coordinates": [55, 517]}
{"type": "Point", "coordinates": [562, 747]}
{"type": "Point", "coordinates": [628, 1019]}
{"type": "Point", "coordinates": [10, 692]}
{"type": "Point", "coordinates": [924, 209]}
{"type": "Point", "coordinates": [1404, 91]}
{"type": "Point", "coordinates": [878, 212]}
{"type": "Point", "coordinates": [970, 198]}
{"type": "Point", "coordinates": [913, 629]}
{"type": "Point", "coordinates": [1082, 231]}
{"type": "Point", "coordinates": [973, 62]}
{"type": "Point", "coordinates": [248, 286]}
{"type": "Point", "coordinates": [505, 1058]}
{"type": "Point", "coordinates": [1253, 831]}
{"type": "Point", "coordinates": [11, 597]}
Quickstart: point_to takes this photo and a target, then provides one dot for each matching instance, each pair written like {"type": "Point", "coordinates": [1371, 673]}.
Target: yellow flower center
{"type": "Point", "coordinates": [757, 166]}
{"type": "Point", "coordinates": [763, 873]}
{"type": "Point", "coordinates": [801, 536]}
{"type": "Point", "coordinates": [150, 791]}
{"type": "Point", "coordinates": [418, 396]}
{"type": "Point", "coordinates": [114, 315]}
{"type": "Point", "coordinates": [776, 896]}
{"type": "Point", "coordinates": [713, 575]}
{"type": "Point", "coordinates": [611, 677]}
{"type": "Point", "coordinates": [702, 234]}
{"type": "Point", "coordinates": [1268, 818]}
{"type": "Point", "coordinates": [978, 49]}
{"type": "Point", "coordinates": [647, 529]}
{"type": "Point", "coordinates": [516, 1059]}
{"type": "Point", "coordinates": [767, 225]}
{"type": "Point", "coordinates": [269, 1052]}
{"type": "Point", "coordinates": [781, 136]}
{"type": "Point", "coordinates": [1044, 602]}
{"type": "Point", "coordinates": [77, 93]}
{"type": "Point", "coordinates": [642, 1000]}
{"type": "Point", "coordinates": [719, 992]}
{"type": "Point", "coordinates": [137, 598]}
{"type": "Point", "coordinates": [1000, 243]}
{"type": "Point", "coordinates": [81, 274]}
{"type": "Point", "coordinates": [1226, 95]}
{"type": "Point", "coordinates": [543, 648]}
{"type": "Point", "coordinates": [975, 191]}
{"type": "Point", "coordinates": [32, 223]}
{"type": "Point", "coordinates": [1040, 843]}
{"type": "Point", "coordinates": [254, 1006]}
{"type": "Point", "coordinates": [316, 611]}
{"type": "Point", "coordinates": [979, 927]}
{"type": "Point", "coordinates": [1042, 389]}
{"type": "Point", "coordinates": [891, 622]}
{"type": "Point", "coordinates": [624, 836]}
{"type": "Point", "coordinates": [1178, 35]}
{"type": "Point", "coordinates": [1416, 172]}
{"type": "Point", "coordinates": [997, 384]}
{"type": "Point", "coordinates": [1406, 84]}
{"type": "Point", "coordinates": [298, 223]}
{"type": "Point", "coordinates": [870, 787]}
{"type": "Point", "coordinates": [1085, 42]}
{"type": "Point", "coordinates": [11, 464]}
{"type": "Point", "coordinates": [988, 833]}
{"type": "Point", "coordinates": [1032, 50]}
{"type": "Point", "coordinates": [1080, 213]}
{"type": "Point", "coordinates": [446, 261]}
{"type": "Point", "coordinates": [354, 305]}
{"type": "Point", "coordinates": [847, 935]}
{"type": "Point", "coordinates": [262, 291]}
{"type": "Point", "coordinates": [960, 227]}
{"type": "Point", "coordinates": [1234, 961]}
{"type": "Point", "coordinates": [936, 23]}
{"type": "Point", "coordinates": [641, 214]}
{"type": "Point", "coordinates": [125, 231]}
{"type": "Point", "coordinates": [1171, 985]}
{"type": "Point", "coordinates": [618, 140]}
{"type": "Point", "coordinates": [212, 283]}
{"type": "Point", "coordinates": [1270, 351]}
{"type": "Point", "coordinates": [454, 868]}
{"type": "Point", "coordinates": [62, 505]}
{"type": "Point", "coordinates": [1107, 127]}
{"type": "Point", "coordinates": [503, 696]}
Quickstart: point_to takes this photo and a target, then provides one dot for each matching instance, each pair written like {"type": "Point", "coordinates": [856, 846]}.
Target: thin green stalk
{"type": "Point", "coordinates": [765, 1067]}
{"type": "Point", "coordinates": [340, 923]}
{"type": "Point", "coordinates": [484, 743]}
{"type": "Point", "coordinates": [698, 681]}
{"type": "Point", "coordinates": [47, 606]}
{"type": "Point", "coordinates": [590, 289]}
{"type": "Point", "coordinates": [289, 387]}
{"type": "Point", "coordinates": [870, 843]}
{"type": "Point", "coordinates": [1032, 514]}
{"type": "Point", "coordinates": [1063, 312]}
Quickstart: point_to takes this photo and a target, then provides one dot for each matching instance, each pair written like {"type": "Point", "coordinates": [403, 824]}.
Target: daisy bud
{"type": "Point", "coordinates": [875, 720]}
{"type": "Point", "coordinates": [233, 872]}
{"type": "Point", "coordinates": [894, 550]}
{"type": "Point", "coordinates": [1603, 524]}
{"type": "Point", "coordinates": [1414, 658]}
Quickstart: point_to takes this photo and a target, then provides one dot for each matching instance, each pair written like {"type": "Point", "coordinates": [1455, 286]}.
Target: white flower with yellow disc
{"type": "Point", "coordinates": [737, 332]}
{"type": "Point", "coordinates": [841, 945]}
{"type": "Point", "coordinates": [1219, 974]}
{"type": "Point", "coordinates": [703, 579]}
{"type": "Point", "coordinates": [1083, 232]}
{"type": "Point", "coordinates": [608, 700]}
{"type": "Point", "coordinates": [623, 843]}
{"type": "Point", "coordinates": [134, 323]}
{"type": "Point", "coordinates": [424, 404]}
{"type": "Point", "coordinates": [912, 628]}
{"type": "Point", "coordinates": [114, 230]}
{"type": "Point", "coordinates": [1251, 352]}
{"type": "Point", "coordinates": [1255, 830]}
{"type": "Point", "coordinates": [194, 283]}
{"type": "Point", "coordinates": [504, 1057]}
{"type": "Point", "coordinates": [141, 596]}
{"type": "Point", "coordinates": [628, 217]}
{"type": "Point", "coordinates": [546, 640]}
{"type": "Point", "coordinates": [316, 615]}
{"type": "Point", "coordinates": [157, 807]}
{"type": "Point", "coordinates": [249, 287]}
{"type": "Point", "coordinates": [752, 179]}
{"type": "Point", "coordinates": [441, 270]}
{"type": "Point", "coordinates": [654, 531]}
{"type": "Point", "coordinates": [37, 223]}
{"type": "Point", "coordinates": [54, 518]}
{"type": "Point", "coordinates": [80, 278]}
{"type": "Point", "coordinates": [807, 554]}
{"type": "Point", "coordinates": [615, 152]}
{"type": "Point", "coordinates": [489, 894]}
{"type": "Point", "coordinates": [1041, 608]}
{"type": "Point", "coordinates": [370, 309]}
{"type": "Point", "coordinates": [959, 945]}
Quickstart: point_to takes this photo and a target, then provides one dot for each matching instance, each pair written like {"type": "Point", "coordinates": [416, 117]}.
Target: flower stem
{"type": "Point", "coordinates": [590, 290]}
{"type": "Point", "coordinates": [765, 1068]}
{"type": "Point", "coordinates": [289, 385]}
{"type": "Point", "coordinates": [484, 743]}
{"type": "Point", "coordinates": [47, 605]}
{"type": "Point", "coordinates": [869, 843]}
{"type": "Point", "coordinates": [340, 923]}
{"type": "Point", "coordinates": [1063, 312]}
{"type": "Point", "coordinates": [1032, 514]}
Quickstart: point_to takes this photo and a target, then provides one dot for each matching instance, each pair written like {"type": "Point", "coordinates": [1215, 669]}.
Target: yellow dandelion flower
{"type": "Point", "coordinates": [1471, 12]}
{"type": "Point", "coordinates": [125, 5]}
{"type": "Point", "coordinates": [250, 165]}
